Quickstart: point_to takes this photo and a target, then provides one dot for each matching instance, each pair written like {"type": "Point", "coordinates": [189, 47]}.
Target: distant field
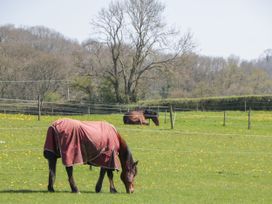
{"type": "Point", "coordinates": [199, 161]}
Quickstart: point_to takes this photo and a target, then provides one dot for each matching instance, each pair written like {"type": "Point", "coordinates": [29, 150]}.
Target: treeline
{"type": "Point", "coordinates": [34, 61]}
{"type": "Point", "coordinates": [39, 61]}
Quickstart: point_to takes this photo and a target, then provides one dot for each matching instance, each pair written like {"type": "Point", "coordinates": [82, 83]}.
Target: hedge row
{"type": "Point", "coordinates": [241, 103]}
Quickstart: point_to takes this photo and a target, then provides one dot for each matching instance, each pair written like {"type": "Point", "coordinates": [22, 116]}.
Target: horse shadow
{"type": "Point", "coordinates": [30, 191]}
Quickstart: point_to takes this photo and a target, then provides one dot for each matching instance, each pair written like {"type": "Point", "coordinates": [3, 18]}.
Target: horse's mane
{"type": "Point", "coordinates": [124, 154]}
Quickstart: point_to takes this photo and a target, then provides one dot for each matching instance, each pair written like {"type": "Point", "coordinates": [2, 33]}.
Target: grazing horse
{"type": "Point", "coordinates": [94, 143]}
{"type": "Point", "coordinates": [140, 116]}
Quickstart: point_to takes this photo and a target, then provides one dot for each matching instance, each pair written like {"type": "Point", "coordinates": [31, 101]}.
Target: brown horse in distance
{"type": "Point", "coordinates": [95, 143]}
{"type": "Point", "coordinates": [140, 117]}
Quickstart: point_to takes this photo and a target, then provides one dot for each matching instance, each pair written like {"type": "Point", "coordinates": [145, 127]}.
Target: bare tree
{"type": "Point", "coordinates": [139, 41]}
{"type": "Point", "coordinates": [110, 23]}
{"type": "Point", "coordinates": [45, 72]}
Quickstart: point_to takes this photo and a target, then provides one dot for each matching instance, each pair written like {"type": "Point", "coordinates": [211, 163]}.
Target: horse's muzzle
{"type": "Point", "coordinates": [130, 189]}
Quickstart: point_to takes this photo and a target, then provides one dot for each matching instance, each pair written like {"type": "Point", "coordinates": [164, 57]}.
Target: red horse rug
{"type": "Point", "coordinates": [84, 142]}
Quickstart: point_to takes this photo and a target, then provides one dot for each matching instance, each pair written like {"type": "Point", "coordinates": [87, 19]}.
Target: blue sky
{"type": "Point", "coordinates": [220, 27]}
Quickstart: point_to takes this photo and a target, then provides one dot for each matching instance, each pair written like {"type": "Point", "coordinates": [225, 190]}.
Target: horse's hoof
{"type": "Point", "coordinates": [50, 189]}
{"type": "Point", "coordinates": [75, 190]}
{"type": "Point", "coordinates": [113, 190]}
{"type": "Point", "coordinates": [97, 189]}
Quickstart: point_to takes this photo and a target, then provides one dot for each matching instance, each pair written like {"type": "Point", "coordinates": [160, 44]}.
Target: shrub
{"type": "Point", "coordinates": [215, 103]}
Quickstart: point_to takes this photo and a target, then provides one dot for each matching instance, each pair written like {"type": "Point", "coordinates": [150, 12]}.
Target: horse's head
{"type": "Point", "coordinates": [129, 167]}
{"type": "Point", "coordinates": [154, 116]}
{"type": "Point", "coordinates": [128, 175]}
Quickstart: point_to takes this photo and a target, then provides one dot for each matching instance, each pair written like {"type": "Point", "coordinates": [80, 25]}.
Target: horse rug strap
{"type": "Point", "coordinates": [82, 142]}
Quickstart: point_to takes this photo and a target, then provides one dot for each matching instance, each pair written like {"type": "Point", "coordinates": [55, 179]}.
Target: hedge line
{"type": "Point", "coordinates": [241, 103]}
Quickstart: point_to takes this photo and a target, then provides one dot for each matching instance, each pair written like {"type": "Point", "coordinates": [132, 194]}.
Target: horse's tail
{"type": "Point", "coordinates": [51, 143]}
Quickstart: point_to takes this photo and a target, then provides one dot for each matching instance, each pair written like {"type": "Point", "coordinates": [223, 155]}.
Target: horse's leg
{"type": "Point", "coordinates": [144, 122]}
{"type": "Point", "coordinates": [110, 175]}
{"type": "Point", "coordinates": [71, 180]}
{"type": "Point", "coordinates": [100, 180]}
{"type": "Point", "coordinates": [52, 174]}
{"type": "Point", "coordinates": [52, 161]}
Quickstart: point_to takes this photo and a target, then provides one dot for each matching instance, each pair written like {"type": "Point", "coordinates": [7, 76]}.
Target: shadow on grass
{"type": "Point", "coordinates": [45, 191]}
{"type": "Point", "coordinates": [37, 191]}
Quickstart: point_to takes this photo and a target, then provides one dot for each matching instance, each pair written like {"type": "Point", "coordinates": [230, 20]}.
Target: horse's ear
{"type": "Point", "coordinates": [135, 163]}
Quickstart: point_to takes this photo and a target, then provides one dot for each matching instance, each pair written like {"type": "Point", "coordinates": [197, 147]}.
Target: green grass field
{"type": "Point", "coordinates": [199, 161]}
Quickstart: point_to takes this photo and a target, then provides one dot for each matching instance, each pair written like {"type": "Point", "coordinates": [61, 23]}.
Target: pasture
{"type": "Point", "coordinates": [199, 161]}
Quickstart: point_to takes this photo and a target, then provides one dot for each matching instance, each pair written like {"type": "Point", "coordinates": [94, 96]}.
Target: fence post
{"type": "Point", "coordinates": [171, 116]}
{"type": "Point", "coordinates": [39, 107]}
{"type": "Point", "coordinates": [165, 116]}
{"type": "Point", "coordinates": [89, 110]}
{"type": "Point", "coordinates": [245, 105]}
{"type": "Point", "coordinates": [174, 119]}
{"type": "Point", "coordinates": [249, 119]}
{"type": "Point", "coordinates": [224, 122]}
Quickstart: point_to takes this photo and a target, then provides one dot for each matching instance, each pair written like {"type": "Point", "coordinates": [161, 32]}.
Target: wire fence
{"type": "Point", "coordinates": [50, 108]}
{"type": "Point", "coordinates": [167, 113]}
{"type": "Point", "coordinates": [71, 108]}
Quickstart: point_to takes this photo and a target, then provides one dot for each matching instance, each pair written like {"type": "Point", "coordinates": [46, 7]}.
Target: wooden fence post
{"type": "Point", "coordinates": [249, 119]}
{"type": "Point", "coordinates": [171, 116]}
{"type": "Point", "coordinates": [174, 120]}
{"type": "Point", "coordinates": [89, 110]}
{"type": "Point", "coordinates": [39, 108]}
{"type": "Point", "coordinates": [165, 116]}
{"type": "Point", "coordinates": [224, 122]}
